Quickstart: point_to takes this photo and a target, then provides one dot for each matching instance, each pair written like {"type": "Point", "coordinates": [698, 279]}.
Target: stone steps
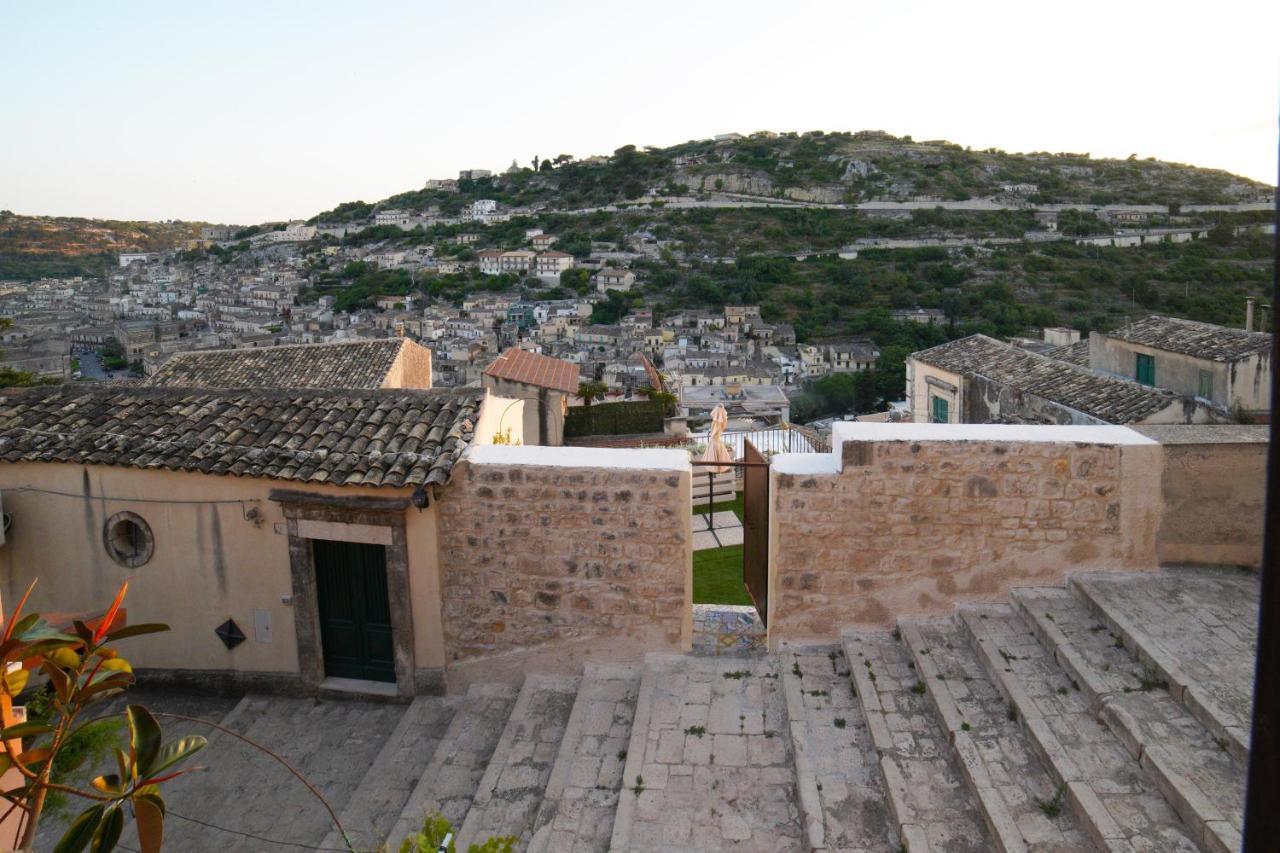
{"type": "Point", "coordinates": [1197, 773]}
{"type": "Point", "coordinates": [1020, 803]}
{"type": "Point", "coordinates": [460, 759]}
{"type": "Point", "coordinates": [581, 796]}
{"type": "Point", "coordinates": [837, 773]}
{"type": "Point", "coordinates": [928, 799]}
{"type": "Point", "coordinates": [507, 799]}
{"type": "Point", "coordinates": [1198, 629]}
{"type": "Point", "coordinates": [708, 764]}
{"type": "Point", "coordinates": [1116, 801]}
{"type": "Point", "coordinates": [382, 793]}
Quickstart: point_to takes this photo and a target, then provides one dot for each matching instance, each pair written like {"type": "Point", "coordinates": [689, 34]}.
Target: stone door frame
{"type": "Point", "coordinates": [375, 521]}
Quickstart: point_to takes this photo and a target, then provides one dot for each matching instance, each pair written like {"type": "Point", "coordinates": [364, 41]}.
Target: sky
{"type": "Point", "coordinates": [243, 112]}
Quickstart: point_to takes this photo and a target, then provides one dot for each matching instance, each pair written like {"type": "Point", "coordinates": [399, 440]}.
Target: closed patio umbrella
{"type": "Point", "coordinates": [716, 450]}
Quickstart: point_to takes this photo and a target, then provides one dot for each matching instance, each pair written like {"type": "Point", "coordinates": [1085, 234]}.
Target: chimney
{"type": "Point", "coordinates": [1248, 313]}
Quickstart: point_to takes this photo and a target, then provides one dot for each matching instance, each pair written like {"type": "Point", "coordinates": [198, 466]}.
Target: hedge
{"type": "Point", "coordinates": [627, 418]}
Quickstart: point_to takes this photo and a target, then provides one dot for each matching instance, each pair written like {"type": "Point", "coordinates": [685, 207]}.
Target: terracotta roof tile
{"type": "Point", "coordinates": [345, 364]}
{"type": "Point", "coordinates": [389, 437]}
{"type": "Point", "coordinates": [529, 368]}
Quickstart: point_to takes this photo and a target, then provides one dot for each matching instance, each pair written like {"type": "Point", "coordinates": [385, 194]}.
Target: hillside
{"type": "Point", "coordinates": [36, 246]}
{"type": "Point", "coordinates": [832, 168]}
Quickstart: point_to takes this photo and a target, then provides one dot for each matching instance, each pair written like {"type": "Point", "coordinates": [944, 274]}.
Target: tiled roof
{"type": "Point", "coordinates": [346, 364]}
{"type": "Point", "coordinates": [1200, 340]}
{"type": "Point", "coordinates": [1077, 353]}
{"type": "Point", "coordinates": [393, 437]}
{"type": "Point", "coordinates": [529, 368]}
{"type": "Point", "coordinates": [1107, 398]}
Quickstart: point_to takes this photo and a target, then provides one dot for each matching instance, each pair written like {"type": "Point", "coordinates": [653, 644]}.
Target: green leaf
{"type": "Point", "coordinates": [144, 738]}
{"type": "Point", "coordinates": [36, 630]}
{"type": "Point", "coordinates": [24, 625]}
{"type": "Point", "coordinates": [46, 646]}
{"type": "Point", "coordinates": [25, 730]}
{"type": "Point", "coordinates": [137, 630]}
{"type": "Point", "coordinates": [109, 831]}
{"type": "Point", "coordinates": [81, 831]}
{"type": "Point", "coordinates": [176, 751]}
{"type": "Point", "coordinates": [148, 814]}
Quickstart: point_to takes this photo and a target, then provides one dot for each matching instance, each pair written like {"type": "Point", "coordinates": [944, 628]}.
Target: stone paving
{"type": "Point", "coordinates": [925, 790]}
{"type": "Point", "coordinates": [576, 815]}
{"type": "Point", "coordinates": [1196, 773]}
{"type": "Point", "coordinates": [716, 531]}
{"type": "Point", "coordinates": [1198, 627]}
{"type": "Point", "coordinates": [1117, 802]}
{"type": "Point", "coordinates": [1022, 804]}
{"type": "Point", "coordinates": [837, 773]}
{"type": "Point", "coordinates": [508, 796]}
{"type": "Point", "coordinates": [252, 793]}
{"type": "Point", "coordinates": [450, 780]}
{"type": "Point", "coordinates": [709, 761]}
{"type": "Point", "coordinates": [386, 787]}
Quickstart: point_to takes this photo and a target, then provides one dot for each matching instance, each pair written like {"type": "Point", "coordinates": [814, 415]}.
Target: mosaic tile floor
{"type": "Point", "coordinates": [726, 630]}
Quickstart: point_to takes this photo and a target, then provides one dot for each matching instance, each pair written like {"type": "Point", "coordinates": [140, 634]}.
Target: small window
{"type": "Point", "coordinates": [1145, 369]}
{"type": "Point", "coordinates": [1206, 384]}
{"type": "Point", "coordinates": [940, 410]}
{"type": "Point", "coordinates": [127, 538]}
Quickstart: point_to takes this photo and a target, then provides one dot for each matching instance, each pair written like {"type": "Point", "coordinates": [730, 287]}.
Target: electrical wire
{"type": "Point", "coordinates": [172, 813]}
{"type": "Point", "coordinates": [129, 500]}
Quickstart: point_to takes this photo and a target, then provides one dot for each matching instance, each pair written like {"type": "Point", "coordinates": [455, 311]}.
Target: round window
{"type": "Point", "coordinates": [128, 539]}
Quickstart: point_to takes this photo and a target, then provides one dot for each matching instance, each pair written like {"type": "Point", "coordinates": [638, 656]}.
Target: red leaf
{"type": "Point", "coordinates": [105, 625]}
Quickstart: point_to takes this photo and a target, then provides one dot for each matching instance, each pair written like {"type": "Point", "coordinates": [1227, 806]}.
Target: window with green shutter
{"type": "Point", "coordinates": [940, 410]}
{"type": "Point", "coordinates": [1145, 369]}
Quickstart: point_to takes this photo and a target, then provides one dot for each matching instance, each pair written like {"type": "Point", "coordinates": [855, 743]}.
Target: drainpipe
{"type": "Point", "coordinates": [1261, 817]}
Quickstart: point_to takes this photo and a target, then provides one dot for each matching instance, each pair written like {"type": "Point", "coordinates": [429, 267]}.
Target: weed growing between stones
{"type": "Point", "coordinates": [1052, 807]}
{"type": "Point", "coordinates": [737, 674]}
{"type": "Point", "coordinates": [839, 722]}
{"type": "Point", "coordinates": [918, 688]}
{"type": "Point", "coordinates": [1012, 713]}
{"type": "Point", "coordinates": [696, 731]}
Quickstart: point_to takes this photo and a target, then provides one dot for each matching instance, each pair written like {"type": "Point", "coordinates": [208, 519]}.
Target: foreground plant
{"type": "Point", "coordinates": [83, 669]}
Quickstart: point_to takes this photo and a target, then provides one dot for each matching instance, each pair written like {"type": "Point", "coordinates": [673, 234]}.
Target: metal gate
{"type": "Point", "coordinates": [755, 524]}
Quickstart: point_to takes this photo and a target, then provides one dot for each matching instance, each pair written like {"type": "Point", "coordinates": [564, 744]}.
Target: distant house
{"type": "Point", "coordinates": [490, 261]}
{"type": "Point", "coordinates": [982, 380]}
{"type": "Point", "coordinates": [518, 261]}
{"type": "Point", "coordinates": [382, 363]}
{"type": "Point", "coordinates": [1227, 367]}
{"type": "Point", "coordinates": [919, 315]}
{"type": "Point", "coordinates": [542, 241]}
{"type": "Point", "coordinates": [614, 279]}
{"type": "Point", "coordinates": [399, 218]}
{"type": "Point", "coordinates": [546, 382]}
{"type": "Point", "coordinates": [551, 264]}
{"type": "Point", "coordinates": [848, 355]}
{"type": "Point", "coordinates": [464, 239]}
{"type": "Point", "coordinates": [474, 174]}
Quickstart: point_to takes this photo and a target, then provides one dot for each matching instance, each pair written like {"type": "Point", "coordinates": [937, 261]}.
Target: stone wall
{"type": "Point", "coordinates": [551, 557]}
{"type": "Point", "coordinates": [1215, 490]}
{"type": "Point", "coordinates": [909, 519]}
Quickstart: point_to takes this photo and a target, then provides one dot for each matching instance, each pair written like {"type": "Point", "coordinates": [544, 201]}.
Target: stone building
{"type": "Point", "coordinates": [544, 383]}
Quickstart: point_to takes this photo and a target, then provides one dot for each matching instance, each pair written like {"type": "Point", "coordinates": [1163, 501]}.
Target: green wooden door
{"type": "Point", "coordinates": [1145, 369]}
{"type": "Point", "coordinates": [941, 413]}
{"type": "Point", "coordinates": [355, 612]}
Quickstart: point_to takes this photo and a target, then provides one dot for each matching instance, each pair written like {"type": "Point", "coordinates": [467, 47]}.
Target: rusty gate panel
{"type": "Point", "coordinates": [755, 524]}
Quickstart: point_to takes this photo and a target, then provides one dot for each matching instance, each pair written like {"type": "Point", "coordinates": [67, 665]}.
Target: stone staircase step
{"type": "Point", "coordinates": [390, 779]}
{"type": "Point", "coordinates": [927, 795]}
{"type": "Point", "coordinates": [1198, 628]}
{"type": "Point", "coordinates": [1197, 773]}
{"type": "Point", "coordinates": [1021, 804]}
{"type": "Point", "coordinates": [507, 799]}
{"type": "Point", "coordinates": [709, 762]}
{"type": "Point", "coordinates": [581, 797]}
{"type": "Point", "coordinates": [322, 740]}
{"type": "Point", "coordinates": [449, 783]}
{"type": "Point", "coordinates": [837, 772]}
{"type": "Point", "coordinates": [1117, 803]}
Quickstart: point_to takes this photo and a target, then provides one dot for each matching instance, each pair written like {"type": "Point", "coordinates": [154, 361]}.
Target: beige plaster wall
{"type": "Point", "coordinates": [210, 563]}
{"type": "Point", "coordinates": [551, 557]}
{"type": "Point", "coordinates": [499, 414]}
{"type": "Point", "coordinates": [1214, 489]}
{"type": "Point", "coordinates": [411, 369]}
{"type": "Point", "coordinates": [919, 389]}
{"type": "Point", "coordinates": [910, 527]}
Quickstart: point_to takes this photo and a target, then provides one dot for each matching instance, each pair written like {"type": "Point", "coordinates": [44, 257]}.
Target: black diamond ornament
{"type": "Point", "coordinates": [230, 634]}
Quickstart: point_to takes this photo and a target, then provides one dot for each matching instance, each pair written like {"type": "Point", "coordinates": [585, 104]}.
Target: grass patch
{"type": "Point", "coordinates": [734, 506]}
{"type": "Point", "coordinates": [717, 576]}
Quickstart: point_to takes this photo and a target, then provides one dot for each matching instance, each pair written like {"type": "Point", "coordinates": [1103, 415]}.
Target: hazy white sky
{"type": "Point", "coordinates": [247, 111]}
